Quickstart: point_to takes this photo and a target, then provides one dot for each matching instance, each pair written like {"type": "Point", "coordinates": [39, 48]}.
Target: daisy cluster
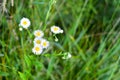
{"type": "Point", "coordinates": [40, 43]}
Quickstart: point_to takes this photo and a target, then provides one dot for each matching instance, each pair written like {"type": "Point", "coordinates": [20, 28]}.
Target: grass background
{"type": "Point", "coordinates": [91, 35]}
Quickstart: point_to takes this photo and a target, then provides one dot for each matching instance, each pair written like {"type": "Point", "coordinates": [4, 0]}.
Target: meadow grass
{"type": "Point", "coordinates": [91, 35]}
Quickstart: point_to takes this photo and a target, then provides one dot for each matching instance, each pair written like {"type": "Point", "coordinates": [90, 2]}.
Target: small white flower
{"type": "Point", "coordinates": [61, 31]}
{"type": "Point", "coordinates": [20, 29]}
{"type": "Point", "coordinates": [37, 49]}
{"type": "Point", "coordinates": [56, 30]}
{"type": "Point", "coordinates": [38, 41]}
{"type": "Point", "coordinates": [38, 33]}
{"type": "Point", "coordinates": [67, 56]}
{"type": "Point", "coordinates": [56, 39]}
{"type": "Point", "coordinates": [25, 23]}
{"type": "Point", "coordinates": [45, 43]}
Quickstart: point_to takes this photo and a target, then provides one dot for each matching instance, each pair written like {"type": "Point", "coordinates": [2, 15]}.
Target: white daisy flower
{"type": "Point", "coordinates": [56, 30]}
{"type": "Point", "coordinates": [25, 23]}
{"type": "Point", "coordinates": [38, 41]}
{"type": "Point", "coordinates": [37, 49]}
{"type": "Point", "coordinates": [38, 33]}
{"type": "Point", "coordinates": [45, 43]}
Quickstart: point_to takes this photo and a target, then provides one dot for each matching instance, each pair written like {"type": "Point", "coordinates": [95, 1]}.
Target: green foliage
{"type": "Point", "coordinates": [91, 35]}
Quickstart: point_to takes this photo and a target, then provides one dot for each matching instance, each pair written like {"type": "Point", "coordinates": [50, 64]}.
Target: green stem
{"type": "Point", "coordinates": [48, 13]}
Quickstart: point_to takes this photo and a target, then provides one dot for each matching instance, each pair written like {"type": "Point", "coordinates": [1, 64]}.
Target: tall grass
{"type": "Point", "coordinates": [91, 35]}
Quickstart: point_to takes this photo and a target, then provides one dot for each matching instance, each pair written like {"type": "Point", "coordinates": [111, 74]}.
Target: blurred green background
{"type": "Point", "coordinates": [91, 35]}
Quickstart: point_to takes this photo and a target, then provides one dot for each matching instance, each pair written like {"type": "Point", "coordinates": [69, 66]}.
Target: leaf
{"type": "Point", "coordinates": [22, 76]}
{"type": "Point", "coordinates": [4, 73]}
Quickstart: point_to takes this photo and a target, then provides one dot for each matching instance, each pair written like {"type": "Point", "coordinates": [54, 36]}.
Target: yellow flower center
{"type": "Point", "coordinates": [38, 34]}
{"type": "Point", "coordinates": [37, 48]}
{"type": "Point", "coordinates": [55, 29]}
{"type": "Point", "coordinates": [44, 44]}
{"type": "Point", "coordinates": [24, 22]}
{"type": "Point", "coordinates": [38, 41]}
